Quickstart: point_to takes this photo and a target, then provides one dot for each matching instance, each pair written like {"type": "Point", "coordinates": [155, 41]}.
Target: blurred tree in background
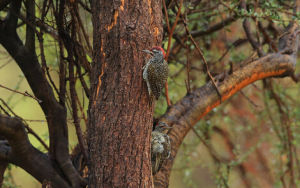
{"type": "Point", "coordinates": [74, 108]}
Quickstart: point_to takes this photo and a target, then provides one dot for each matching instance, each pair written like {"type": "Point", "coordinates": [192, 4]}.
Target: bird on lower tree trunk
{"type": "Point", "coordinates": [160, 146]}
{"type": "Point", "coordinates": [155, 72]}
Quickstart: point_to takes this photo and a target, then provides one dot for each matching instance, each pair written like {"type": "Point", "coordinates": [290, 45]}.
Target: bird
{"type": "Point", "coordinates": [155, 72]}
{"type": "Point", "coordinates": [160, 146]}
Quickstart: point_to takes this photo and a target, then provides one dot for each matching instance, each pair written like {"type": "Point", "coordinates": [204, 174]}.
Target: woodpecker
{"type": "Point", "coordinates": [160, 146]}
{"type": "Point", "coordinates": [155, 72]}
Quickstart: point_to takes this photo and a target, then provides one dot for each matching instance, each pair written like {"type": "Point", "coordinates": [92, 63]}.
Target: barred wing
{"type": "Point", "coordinates": [157, 76]}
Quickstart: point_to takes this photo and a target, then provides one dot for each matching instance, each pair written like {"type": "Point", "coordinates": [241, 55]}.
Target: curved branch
{"type": "Point", "coordinates": [246, 25]}
{"type": "Point", "coordinates": [215, 27]}
{"type": "Point", "coordinates": [30, 29]}
{"type": "Point", "coordinates": [21, 153]}
{"type": "Point", "coordinates": [55, 113]}
{"type": "Point", "coordinates": [185, 113]}
{"type": "Point", "coordinates": [11, 20]}
{"type": "Point", "coordinates": [5, 151]}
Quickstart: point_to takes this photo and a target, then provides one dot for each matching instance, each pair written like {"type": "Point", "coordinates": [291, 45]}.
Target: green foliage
{"type": "Point", "coordinates": [8, 181]}
{"type": "Point", "coordinates": [222, 176]}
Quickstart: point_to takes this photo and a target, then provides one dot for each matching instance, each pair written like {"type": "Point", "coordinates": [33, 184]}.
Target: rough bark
{"type": "Point", "coordinates": [120, 118]}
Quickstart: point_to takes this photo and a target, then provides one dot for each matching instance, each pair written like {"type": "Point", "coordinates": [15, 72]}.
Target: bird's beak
{"type": "Point", "coordinates": [148, 52]}
{"type": "Point", "coordinates": [168, 127]}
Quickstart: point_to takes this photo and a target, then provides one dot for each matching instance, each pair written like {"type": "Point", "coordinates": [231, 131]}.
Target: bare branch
{"type": "Point", "coordinates": [54, 112]}
{"type": "Point", "coordinates": [30, 131]}
{"type": "Point", "coordinates": [215, 27]}
{"type": "Point", "coordinates": [30, 29]}
{"type": "Point", "coordinates": [5, 151]}
{"type": "Point", "coordinates": [203, 59]}
{"type": "Point", "coordinates": [12, 17]}
{"type": "Point", "coordinates": [198, 103]}
{"type": "Point", "coordinates": [26, 94]}
{"type": "Point", "coordinates": [246, 25]}
{"type": "Point", "coordinates": [74, 112]}
{"type": "Point", "coordinates": [20, 152]}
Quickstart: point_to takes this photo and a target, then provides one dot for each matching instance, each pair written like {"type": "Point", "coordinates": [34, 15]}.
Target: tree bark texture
{"type": "Point", "coordinates": [120, 118]}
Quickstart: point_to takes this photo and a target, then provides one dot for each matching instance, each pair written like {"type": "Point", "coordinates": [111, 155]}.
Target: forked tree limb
{"type": "Point", "coordinates": [55, 113]}
{"type": "Point", "coordinates": [189, 110]}
{"type": "Point", "coordinates": [19, 151]}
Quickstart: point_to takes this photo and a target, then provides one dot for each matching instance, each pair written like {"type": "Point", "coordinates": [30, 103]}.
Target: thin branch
{"type": "Point", "coordinates": [26, 94]}
{"type": "Point", "coordinates": [169, 45]}
{"type": "Point", "coordinates": [166, 16]}
{"type": "Point", "coordinates": [249, 100]}
{"type": "Point", "coordinates": [43, 60]}
{"type": "Point", "coordinates": [215, 27]}
{"type": "Point", "coordinates": [172, 30]}
{"type": "Point", "coordinates": [85, 6]}
{"type": "Point", "coordinates": [203, 59]}
{"type": "Point", "coordinates": [198, 103]}
{"type": "Point", "coordinates": [83, 82]}
{"type": "Point", "coordinates": [246, 25]}
{"type": "Point", "coordinates": [30, 30]}
{"type": "Point", "coordinates": [31, 131]}
{"type": "Point", "coordinates": [74, 112]}
{"type": "Point", "coordinates": [12, 16]}
{"type": "Point", "coordinates": [55, 113]}
{"type": "Point", "coordinates": [267, 37]}
{"type": "Point", "coordinates": [81, 27]}
{"type": "Point", "coordinates": [62, 75]}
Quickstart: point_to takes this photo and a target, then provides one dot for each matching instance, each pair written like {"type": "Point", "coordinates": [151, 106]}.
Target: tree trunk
{"type": "Point", "coordinates": [120, 119]}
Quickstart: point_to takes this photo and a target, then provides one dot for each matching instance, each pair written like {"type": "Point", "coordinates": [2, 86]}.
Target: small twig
{"type": "Point", "coordinates": [214, 27]}
{"type": "Point", "coordinates": [267, 37]}
{"type": "Point", "coordinates": [73, 95]}
{"type": "Point", "coordinates": [1, 108]}
{"type": "Point", "coordinates": [235, 44]}
{"type": "Point", "coordinates": [295, 77]}
{"type": "Point", "coordinates": [26, 94]}
{"type": "Point", "coordinates": [188, 85]}
{"type": "Point", "coordinates": [62, 75]}
{"type": "Point", "coordinates": [45, 68]}
{"type": "Point", "coordinates": [85, 6]}
{"type": "Point", "coordinates": [212, 152]}
{"type": "Point", "coordinates": [30, 131]}
{"type": "Point", "coordinates": [4, 64]}
{"type": "Point", "coordinates": [246, 25]}
{"type": "Point", "coordinates": [285, 121]}
{"type": "Point", "coordinates": [203, 59]}
{"type": "Point", "coordinates": [79, 21]}
{"type": "Point", "coordinates": [82, 111]}
{"type": "Point", "coordinates": [167, 94]}
{"type": "Point", "coordinates": [166, 15]}
{"type": "Point", "coordinates": [248, 99]}
{"type": "Point", "coordinates": [170, 31]}
{"type": "Point", "coordinates": [82, 81]}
